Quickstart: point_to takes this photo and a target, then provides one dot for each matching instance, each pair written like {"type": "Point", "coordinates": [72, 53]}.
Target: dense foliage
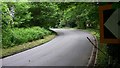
{"type": "Point", "coordinates": [16, 36]}
{"type": "Point", "coordinates": [49, 14]}
{"type": "Point", "coordinates": [44, 14]}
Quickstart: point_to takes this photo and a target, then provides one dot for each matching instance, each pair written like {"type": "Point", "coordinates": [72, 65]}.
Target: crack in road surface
{"type": "Point", "coordinates": [69, 48]}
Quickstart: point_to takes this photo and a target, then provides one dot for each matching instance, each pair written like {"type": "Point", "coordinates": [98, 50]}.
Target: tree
{"type": "Point", "coordinates": [7, 19]}
{"type": "Point", "coordinates": [78, 14]}
{"type": "Point", "coordinates": [44, 14]}
{"type": "Point", "coordinates": [22, 15]}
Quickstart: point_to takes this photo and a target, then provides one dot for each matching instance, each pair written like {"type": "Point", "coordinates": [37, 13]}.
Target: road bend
{"type": "Point", "coordinates": [69, 48]}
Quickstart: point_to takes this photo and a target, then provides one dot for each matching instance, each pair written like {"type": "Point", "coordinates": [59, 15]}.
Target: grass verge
{"type": "Point", "coordinates": [102, 59]}
{"type": "Point", "coordinates": [25, 46]}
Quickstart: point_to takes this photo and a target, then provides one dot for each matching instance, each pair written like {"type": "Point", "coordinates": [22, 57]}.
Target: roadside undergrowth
{"type": "Point", "coordinates": [102, 60]}
{"type": "Point", "coordinates": [25, 46]}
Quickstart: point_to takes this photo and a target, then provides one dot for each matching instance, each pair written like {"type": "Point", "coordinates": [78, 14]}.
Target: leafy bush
{"type": "Point", "coordinates": [16, 36]}
{"type": "Point", "coordinates": [6, 38]}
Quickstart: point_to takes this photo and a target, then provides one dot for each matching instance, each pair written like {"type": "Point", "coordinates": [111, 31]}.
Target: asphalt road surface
{"type": "Point", "coordinates": [69, 48]}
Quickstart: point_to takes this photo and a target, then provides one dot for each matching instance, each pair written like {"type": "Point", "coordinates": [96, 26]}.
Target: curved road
{"type": "Point", "coordinates": [69, 48]}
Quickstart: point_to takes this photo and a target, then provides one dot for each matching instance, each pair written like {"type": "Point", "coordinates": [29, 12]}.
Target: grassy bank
{"type": "Point", "coordinates": [102, 59]}
{"type": "Point", "coordinates": [16, 36]}
{"type": "Point", "coordinates": [25, 46]}
{"type": "Point", "coordinates": [19, 39]}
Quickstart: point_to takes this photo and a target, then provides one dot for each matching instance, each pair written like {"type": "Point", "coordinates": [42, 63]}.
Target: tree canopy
{"type": "Point", "coordinates": [51, 14]}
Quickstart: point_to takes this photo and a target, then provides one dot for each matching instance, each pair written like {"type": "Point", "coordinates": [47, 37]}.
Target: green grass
{"type": "Point", "coordinates": [25, 46]}
{"type": "Point", "coordinates": [15, 40]}
{"type": "Point", "coordinates": [16, 36]}
{"type": "Point", "coordinates": [102, 59]}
